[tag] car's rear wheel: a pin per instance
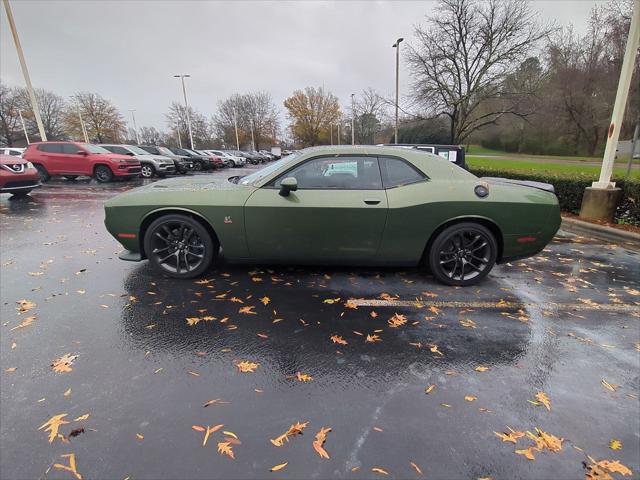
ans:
(179, 246)
(71, 177)
(463, 254)
(146, 170)
(44, 175)
(103, 174)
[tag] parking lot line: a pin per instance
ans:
(497, 305)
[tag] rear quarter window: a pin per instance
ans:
(397, 172)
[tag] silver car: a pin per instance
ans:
(229, 158)
(150, 164)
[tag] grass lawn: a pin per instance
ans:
(525, 166)
(480, 150)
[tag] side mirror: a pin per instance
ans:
(288, 184)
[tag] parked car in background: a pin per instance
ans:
(216, 159)
(17, 176)
(268, 154)
(72, 159)
(182, 163)
(13, 151)
(453, 153)
(276, 152)
(200, 162)
(231, 158)
(150, 165)
(252, 157)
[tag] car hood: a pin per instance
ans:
(11, 160)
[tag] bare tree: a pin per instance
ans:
(252, 111)
(103, 121)
(200, 128)
(52, 112)
(10, 103)
(462, 56)
(371, 109)
(151, 136)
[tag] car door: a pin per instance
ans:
(337, 214)
(51, 157)
(74, 161)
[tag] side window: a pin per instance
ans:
(70, 148)
(120, 150)
(15, 153)
(397, 172)
(50, 147)
(341, 173)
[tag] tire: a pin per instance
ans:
(147, 170)
(462, 254)
(44, 174)
(197, 166)
(103, 174)
(71, 177)
(167, 235)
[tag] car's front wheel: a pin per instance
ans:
(44, 174)
(103, 174)
(146, 170)
(179, 246)
(463, 254)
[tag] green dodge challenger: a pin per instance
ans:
(338, 205)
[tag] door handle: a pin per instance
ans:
(371, 201)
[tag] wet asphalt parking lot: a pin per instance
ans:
(413, 378)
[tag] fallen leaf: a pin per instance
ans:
(52, 425)
(303, 377)
(25, 323)
(511, 436)
(373, 338)
(82, 417)
(608, 385)
(397, 320)
(295, 429)
(416, 467)
(379, 470)
(338, 339)
(429, 389)
(63, 364)
(470, 398)
(543, 399)
(318, 443)
(24, 305)
(247, 367)
(208, 432)
(275, 468)
(67, 392)
(265, 300)
(139, 436)
(248, 309)
(224, 448)
(527, 452)
(71, 467)
(481, 368)
(615, 444)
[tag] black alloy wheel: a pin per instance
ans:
(103, 174)
(179, 246)
(463, 254)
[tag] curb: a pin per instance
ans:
(600, 231)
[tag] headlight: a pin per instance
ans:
(30, 165)
(121, 160)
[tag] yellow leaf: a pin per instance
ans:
(208, 432)
(265, 300)
(63, 364)
(379, 470)
(373, 338)
(67, 392)
(71, 467)
(608, 385)
(481, 368)
(318, 443)
(527, 452)
(295, 429)
(338, 339)
(429, 389)
(615, 444)
(10, 369)
(470, 398)
(24, 306)
(224, 448)
(139, 436)
(198, 428)
(230, 434)
(511, 436)
(81, 418)
(416, 467)
(397, 320)
(247, 367)
(303, 377)
(53, 424)
(248, 309)
(25, 323)
(543, 399)
(275, 468)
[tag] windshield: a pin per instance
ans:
(137, 150)
(165, 151)
(180, 151)
(94, 148)
(260, 174)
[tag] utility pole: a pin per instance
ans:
(186, 106)
(601, 199)
(397, 47)
(179, 137)
(135, 127)
(83, 127)
(353, 119)
(338, 134)
(331, 133)
(253, 142)
(24, 128)
(25, 71)
(235, 123)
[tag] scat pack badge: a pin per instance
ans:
(228, 219)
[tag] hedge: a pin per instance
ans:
(569, 189)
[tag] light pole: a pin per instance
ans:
(83, 127)
(397, 47)
(235, 124)
(186, 106)
(25, 71)
(599, 201)
(135, 127)
(253, 142)
(24, 128)
(338, 134)
(331, 133)
(353, 118)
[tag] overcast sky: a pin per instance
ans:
(128, 51)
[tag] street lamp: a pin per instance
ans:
(24, 128)
(353, 118)
(135, 127)
(186, 106)
(397, 47)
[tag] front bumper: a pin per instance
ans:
(165, 168)
(126, 171)
(17, 186)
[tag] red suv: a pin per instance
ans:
(72, 159)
